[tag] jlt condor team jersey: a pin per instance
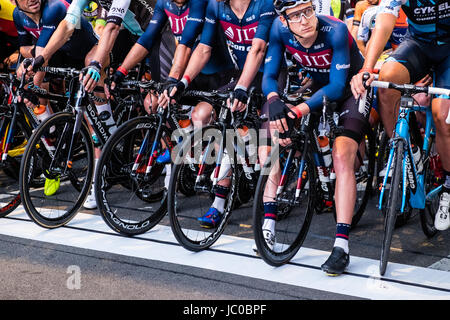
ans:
(428, 20)
(239, 33)
(331, 61)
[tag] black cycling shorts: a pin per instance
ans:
(420, 57)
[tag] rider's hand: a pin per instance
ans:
(278, 120)
(357, 85)
(176, 91)
(118, 77)
(240, 97)
(163, 99)
(91, 76)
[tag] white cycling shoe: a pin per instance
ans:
(442, 218)
(90, 202)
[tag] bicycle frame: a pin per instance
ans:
(418, 197)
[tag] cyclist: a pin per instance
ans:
(360, 8)
(368, 23)
(245, 26)
(8, 34)
(323, 46)
(36, 22)
(426, 46)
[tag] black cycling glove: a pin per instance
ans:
(241, 95)
(278, 111)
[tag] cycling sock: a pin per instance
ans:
(270, 216)
(342, 232)
(221, 196)
(270, 210)
(105, 115)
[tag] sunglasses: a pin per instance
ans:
(296, 16)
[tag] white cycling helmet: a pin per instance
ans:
(282, 5)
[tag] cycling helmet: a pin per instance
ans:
(282, 5)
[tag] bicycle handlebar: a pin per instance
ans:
(403, 88)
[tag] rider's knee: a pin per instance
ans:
(202, 114)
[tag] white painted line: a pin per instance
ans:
(235, 255)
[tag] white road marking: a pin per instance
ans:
(235, 255)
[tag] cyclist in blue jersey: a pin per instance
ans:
(36, 22)
(245, 26)
(426, 47)
(186, 19)
(133, 16)
(321, 45)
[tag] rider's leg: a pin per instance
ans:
(391, 71)
(441, 109)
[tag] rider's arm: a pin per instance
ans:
(145, 42)
(109, 35)
(259, 44)
(190, 33)
(384, 25)
(65, 28)
(274, 58)
(340, 66)
(202, 53)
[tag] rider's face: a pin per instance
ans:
(32, 6)
(179, 2)
(302, 20)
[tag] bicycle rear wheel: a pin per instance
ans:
(427, 215)
(191, 191)
(10, 196)
(297, 211)
(394, 203)
(132, 203)
(46, 157)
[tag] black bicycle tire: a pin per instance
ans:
(115, 223)
(278, 259)
(188, 244)
(27, 203)
(14, 203)
(428, 213)
(391, 213)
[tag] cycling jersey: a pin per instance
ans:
(53, 13)
(133, 15)
(6, 18)
(185, 22)
(331, 61)
(428, 20)
(368, 23)
(239, 33)
(360, 8)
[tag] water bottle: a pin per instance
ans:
(41, 113)
(324, 144)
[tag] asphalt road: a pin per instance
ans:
(35, 269)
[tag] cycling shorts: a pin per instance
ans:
(420, 57)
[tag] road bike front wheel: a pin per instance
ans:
(394, 203)
(191, 190)
(295, 205)
(131, 200)
(66, 182)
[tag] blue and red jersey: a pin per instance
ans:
(239, 33)
(186, 22)
(53, 13)
(331, 60)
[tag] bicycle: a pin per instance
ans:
(302, 185)
(131, 191)
(196, 172)
(17, 122)
(62, 148)
(408, 186)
